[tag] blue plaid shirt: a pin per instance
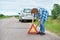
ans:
(42, 14)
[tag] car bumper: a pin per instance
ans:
(27, 18)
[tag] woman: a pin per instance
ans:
(42, 15)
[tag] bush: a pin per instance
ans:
(1, 15)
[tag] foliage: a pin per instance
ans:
(1, 15)
(17, 16)
(56, 11)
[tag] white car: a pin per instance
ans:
(25, 15)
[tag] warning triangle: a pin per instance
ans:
(32, 30)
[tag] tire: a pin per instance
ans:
(19, 20)
(22, 20)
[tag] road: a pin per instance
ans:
(12, 29)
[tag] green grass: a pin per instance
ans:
(17, 17)
(5, 17)
(52, 25)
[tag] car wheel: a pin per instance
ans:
(19, 20)
(22, 20)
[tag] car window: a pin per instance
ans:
(27, 10)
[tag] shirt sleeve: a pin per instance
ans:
(47, 14)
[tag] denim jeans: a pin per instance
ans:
(42, 28)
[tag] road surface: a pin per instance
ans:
(12, 29)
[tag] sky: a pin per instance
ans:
(13, 7)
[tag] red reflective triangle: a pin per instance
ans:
(32, 30)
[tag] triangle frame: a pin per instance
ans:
(32, 26)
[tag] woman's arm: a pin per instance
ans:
(33, 21)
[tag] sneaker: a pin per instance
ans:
(41, 33)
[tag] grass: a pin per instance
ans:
(52, 25)
(5, 17)
(17, 17)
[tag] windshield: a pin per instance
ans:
(27, 10)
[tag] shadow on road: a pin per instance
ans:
(28, 21)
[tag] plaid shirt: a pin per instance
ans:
(42, 14)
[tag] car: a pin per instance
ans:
(25, 15)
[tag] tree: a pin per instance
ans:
(56, 11)
(1, 15)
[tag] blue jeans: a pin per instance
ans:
(42, 28)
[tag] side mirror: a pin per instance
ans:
(18, 13)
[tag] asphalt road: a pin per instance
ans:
(12, 29)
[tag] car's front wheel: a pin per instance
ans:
(19, 20)
(22, 20)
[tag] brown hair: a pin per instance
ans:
(34, 10)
